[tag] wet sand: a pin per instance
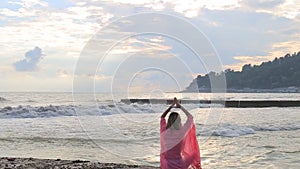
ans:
(34, 163)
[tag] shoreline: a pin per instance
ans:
(20, 163)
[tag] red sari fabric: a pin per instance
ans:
(179, 148)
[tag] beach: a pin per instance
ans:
(113, 134)
(20, 163)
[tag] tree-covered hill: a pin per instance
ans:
(283, 72)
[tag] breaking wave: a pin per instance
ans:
(79, 110)
(232, 130)
(2, 99)
(33, 112)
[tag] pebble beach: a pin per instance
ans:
(35, 163)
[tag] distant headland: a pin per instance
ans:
(282, 75)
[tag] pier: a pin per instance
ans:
(226, 103)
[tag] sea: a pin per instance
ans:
(100, 127)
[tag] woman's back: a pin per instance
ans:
(173, 138)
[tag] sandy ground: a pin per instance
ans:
(30, 163)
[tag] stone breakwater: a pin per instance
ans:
(226, 103)
(34, 163)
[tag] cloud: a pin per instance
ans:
(277, 50)
(27, 8)
(187, 8)
(30, 62)
(262, 3)
(58, 30)
(153, 46)
(283, 8)
(62, 73)
(30, 3)
(246, 33)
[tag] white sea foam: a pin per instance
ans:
(33, 112)
(288, 127)
(2, 99)
(233, 130)
(79, 110)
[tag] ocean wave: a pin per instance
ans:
(31, 101)
(231, 130)
(34, 112)
(226, 130)
(78, 110)
(2, 99)
(289, 127)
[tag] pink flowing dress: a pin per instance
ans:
(179, 148)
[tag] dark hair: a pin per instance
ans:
(174, 121)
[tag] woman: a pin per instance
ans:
(179, 146)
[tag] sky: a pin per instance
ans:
(52, 45)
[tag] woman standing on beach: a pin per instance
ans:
(179, 146)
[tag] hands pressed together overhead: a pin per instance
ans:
(175, 104)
